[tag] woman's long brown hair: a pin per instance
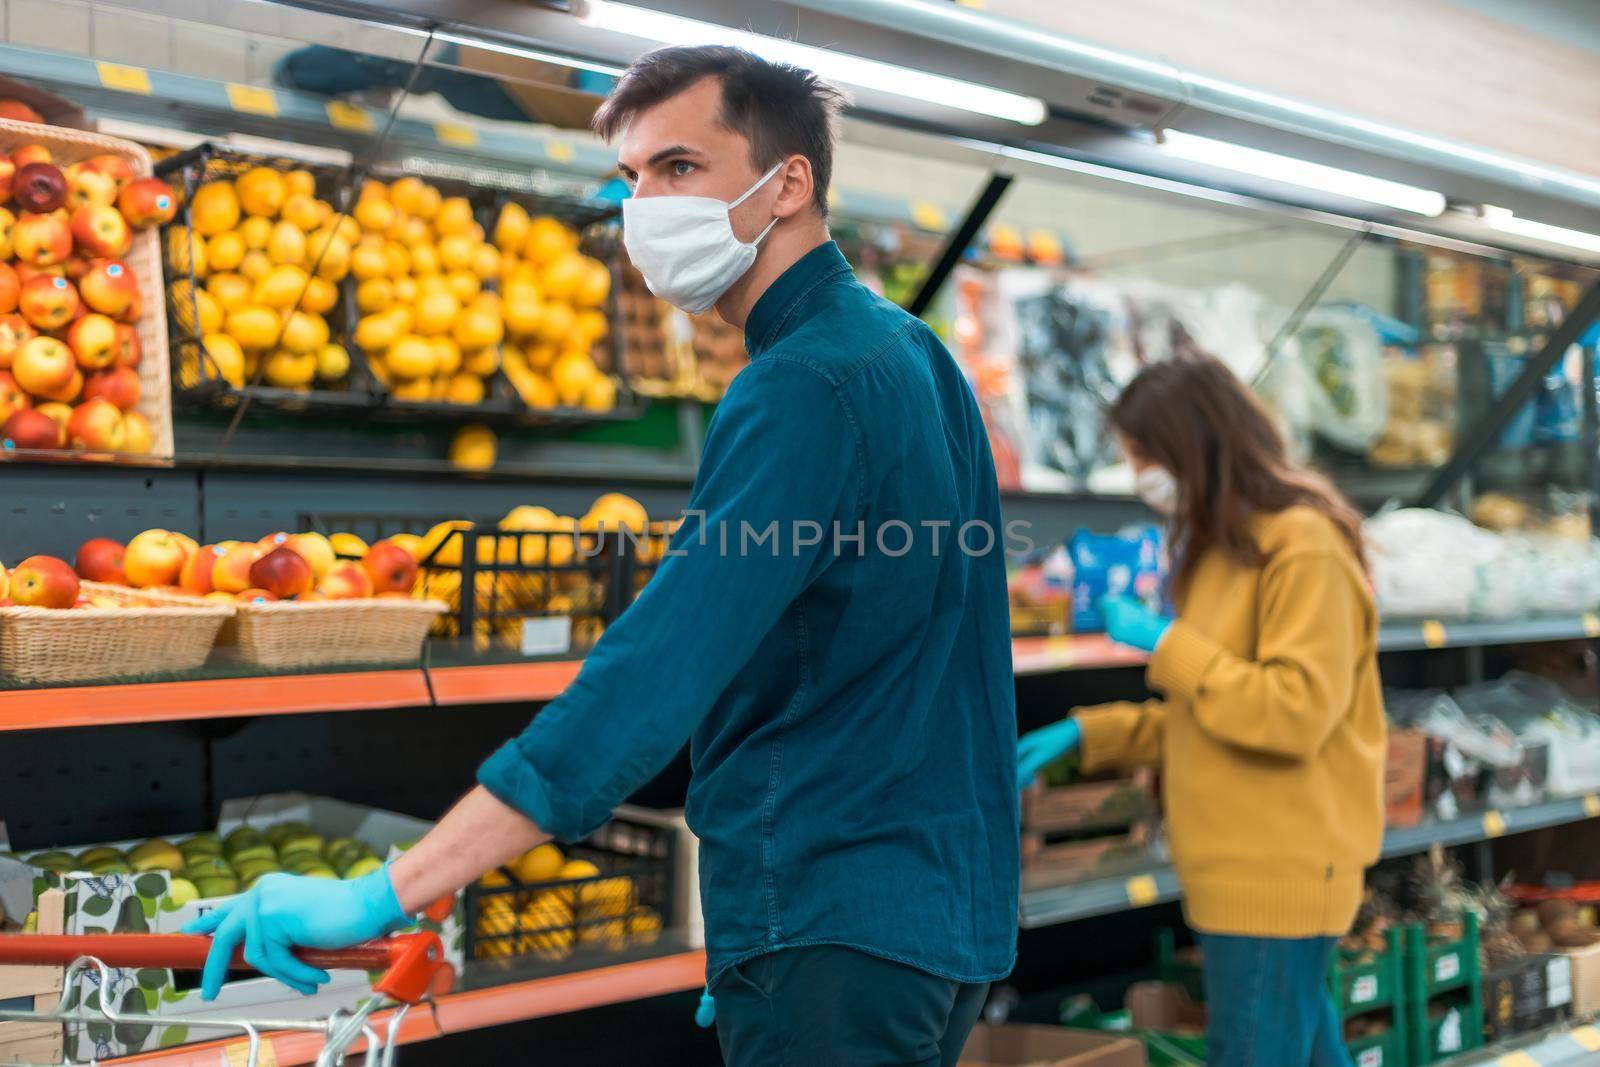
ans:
(1192, 416)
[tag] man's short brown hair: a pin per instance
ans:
(780, 109)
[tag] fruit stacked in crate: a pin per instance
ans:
(1075, 828)
(70, 299)
(605, 895)
(672, 354)
(254, 266)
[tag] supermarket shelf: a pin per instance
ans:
(1045, 655)
(456, 1013)
(1159, 885)
(1569, 1045)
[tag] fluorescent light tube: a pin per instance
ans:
(1303, 173)
(1499, 218)
(833, 66)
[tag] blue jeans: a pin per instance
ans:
(1268, 1003)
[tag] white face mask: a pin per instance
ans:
(1158, 488)
(685, 246)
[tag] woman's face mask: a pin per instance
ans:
(1157, 488)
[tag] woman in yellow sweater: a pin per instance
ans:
(1269, 728)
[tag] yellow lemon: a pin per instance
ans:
(601, 395)
(348, 228)
(300, 183)
(374, 333)
(486, 262)
(428, 201)
(523, 314)
(541, 357)
(226, 250)
(287, 244)
(454, 215)
(400, 227)
(440, 547)
(186, 251)
(291, 370)
(255, 231)
(255, 265)
(347, 545)
(564, 275)
(410, 357)
(253, 326)
(543, 863)
(367, 260)
(455, 251)
(425, 259)
(477, 327)
(591, 326)
(547, 240)
(225, 356)
(594, 285)
(406, 290)
(446, 355)
(333, 362)
(281, 287)
(262, 191)
(511, 228)
(410, 542)
(482, 362)
(402, 315)
(407, 192)
(411, 232)
(413, 389)
(321, 296)
(374, 294)
(397, 259)
(464, 389)
(436, 310)
(301, 210)
(214, 208)
(374, 189)
(304, 332)
(464, 284)
(473, 448)
(571, 376)
(329, 253)
(231, 290)
(210, 311)
(374, 213)
(556, 322)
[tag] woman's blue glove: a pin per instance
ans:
(1129, 622)
(1039, 748)
(282, 911)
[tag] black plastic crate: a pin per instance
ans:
(621, 909)
(202, 385)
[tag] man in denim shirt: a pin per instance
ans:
(831, 627)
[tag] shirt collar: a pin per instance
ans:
(769, 320)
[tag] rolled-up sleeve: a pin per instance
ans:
(781, 467)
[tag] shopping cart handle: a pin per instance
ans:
(409, 961)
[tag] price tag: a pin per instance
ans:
(345, 116)
(1372, 1057)
(927, 216)
(126, 79)
(547, 637)
(1364, 990)
(455, 136)
(1494, 824)
(253, 100)
(1516, 1059)
(560, 151)
(1591, 806)
(1142, 891)
(1450, 1036)
(238, 1053)
(1433, 635)
(1591, 624)
(1558, 982)
(1588, 1037)
(1446, 967)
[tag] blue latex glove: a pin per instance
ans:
(705, 1013)
(1129, 622)
(284, 910)
(1039, 748)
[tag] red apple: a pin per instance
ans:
(345, 580)
(283, 573)
(86, 185)
(100, 230)
(96, 425)
(39, 187)
(120, 385)
(129, 350)
(18, 111)
(94, 342)
(154, 557)
(100, 560)
(195, 575)
(44, 582)
(48, 302)
(139, 436)
(30, 428)
(44, 367)
(147, 202)
(61, 414)
(231, 574)
(10, 289)
(391, 567)
(117, 168)
(27, 271)
(41, 240)
(14, 331)
(33, 153)
(110, 288)
(13, 398)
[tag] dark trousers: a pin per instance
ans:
(1268, 1003)
(830, 1006)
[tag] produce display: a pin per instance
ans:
(673, 354)
(69, 352)
(545, 904)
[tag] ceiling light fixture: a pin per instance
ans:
(1502, 219)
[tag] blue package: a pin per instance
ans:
(1128, 562)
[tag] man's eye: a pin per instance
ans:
(682, 168)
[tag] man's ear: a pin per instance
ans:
(794, 194)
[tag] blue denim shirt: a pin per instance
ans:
(845, 674)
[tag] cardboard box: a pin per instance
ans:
(1110, 804)
(33, 1042)
(1016, 1045)
(1585, 979)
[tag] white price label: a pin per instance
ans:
(1446, 967)
(1558, 982)
(1372, 1057)
(1364, 990)
(547, 637)
(1450, 1032)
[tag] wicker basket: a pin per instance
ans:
(81, 644)
(325, 632)
(143, 259)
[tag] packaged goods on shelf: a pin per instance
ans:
(1040, 593)
(1420, 431)
(1339, 353)
(673, 354)
(1539, 712)
(1131, 562)
(1467, 761)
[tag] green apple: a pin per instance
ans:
(241, 837)
(301, 842)
(60, 862)
(249, 870)
(207, 844)
(183, 892)
(262, 851)
(156, 855)
(285, 831)
(321, 870)
(91, 857)
(364, 865)
(215, 886)
(112, 866)
(207, 865)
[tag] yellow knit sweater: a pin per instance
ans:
(1271, 737)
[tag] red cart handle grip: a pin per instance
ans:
(409, 961)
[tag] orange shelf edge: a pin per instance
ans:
(1043, 655)
(494, 683)
(473, 1009)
